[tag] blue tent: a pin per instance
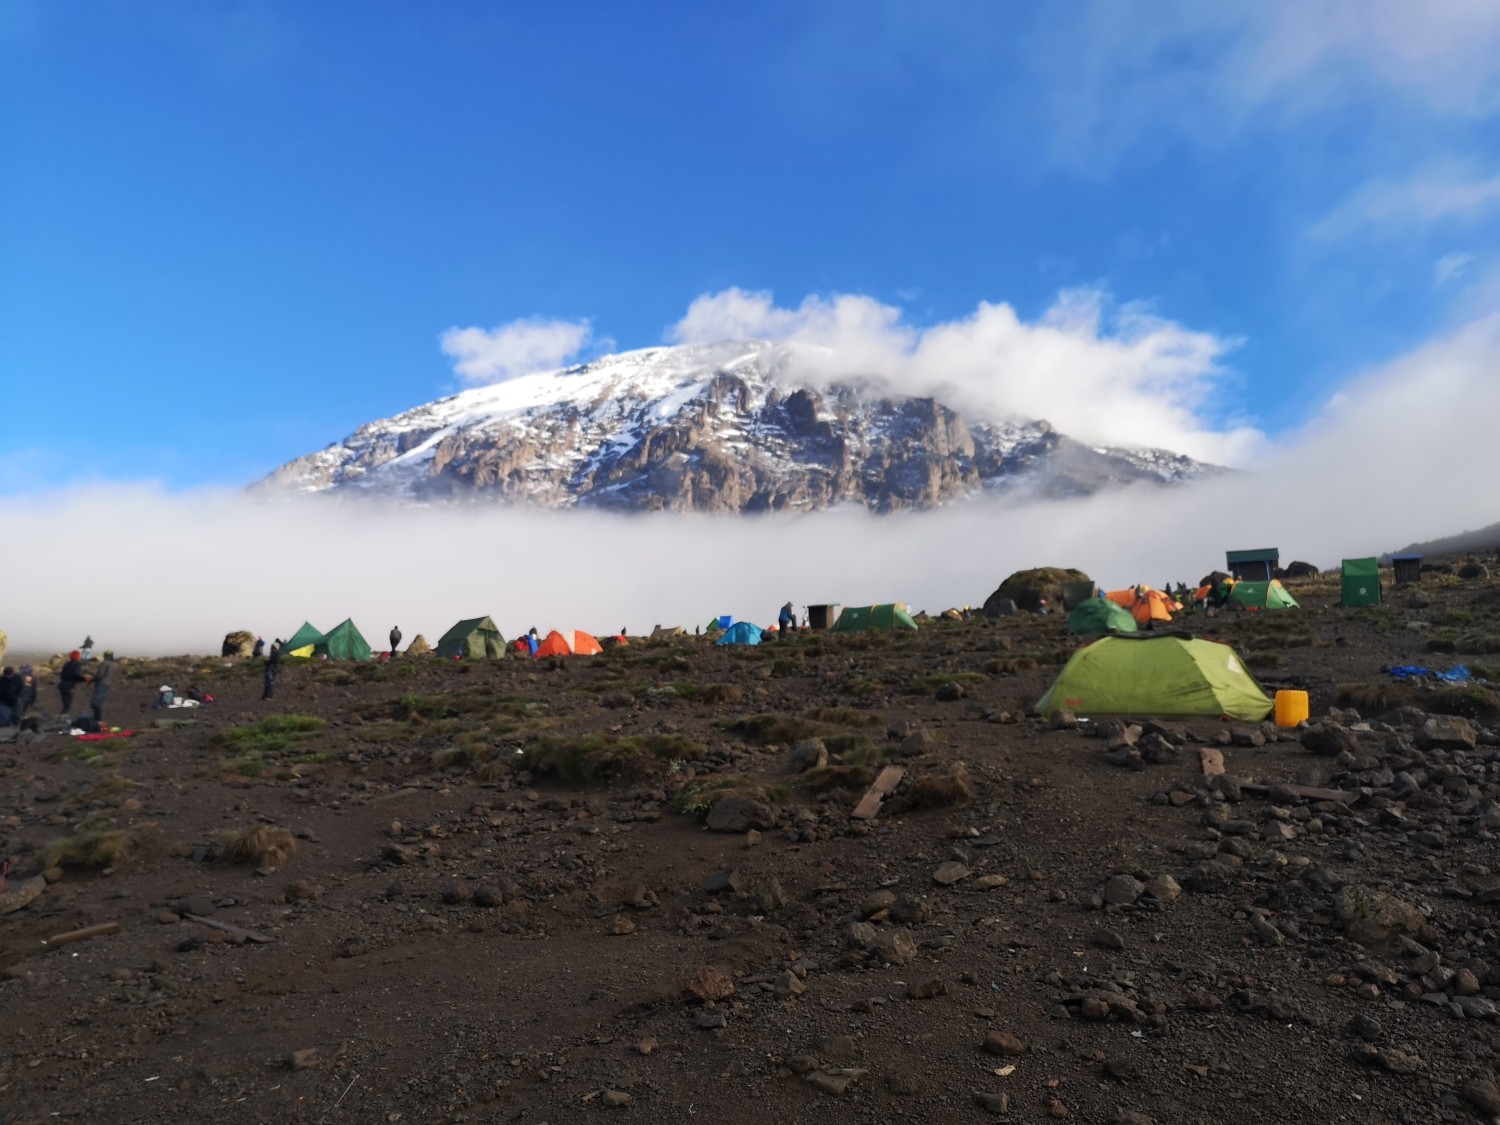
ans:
(740, 633)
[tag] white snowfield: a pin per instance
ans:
(596, 433)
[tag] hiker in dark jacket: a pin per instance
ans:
(28, 692)
(273, 665)
(103, 681)
(68, 679)
(785, 622)
(395, 639)
(10, 697)
(259, 650)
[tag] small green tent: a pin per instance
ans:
(1161, 674)
(863, 618)
(477, 638)
(1262, 595)
(302, 642)
(1361, 584)
(343, 642)
(1100, 615)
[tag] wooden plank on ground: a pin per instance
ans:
(101, 930)
(885, 785)
(1213, 761)
(1305, 792)
(237, 931)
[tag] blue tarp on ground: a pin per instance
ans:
(1455, 675)
(741, 633)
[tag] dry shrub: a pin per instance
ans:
(708, 983)
(261, 846)
(820, 779)
(1469, 700)
(721, 693)
(844, 716)
(90, 848)
(1373, 699)
(937, 790)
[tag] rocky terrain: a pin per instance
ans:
(630, 887)
(729, 428)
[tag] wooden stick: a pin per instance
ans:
(100, 930)
(885, 785)
(237, 931)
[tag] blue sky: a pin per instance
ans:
(234, 231)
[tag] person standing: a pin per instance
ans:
(273, 665)
(68, 679)
(27, 698)
(103, 681)
(395, 639)
(10, 698)
(87, 651)
(786, 622)
(260, 648)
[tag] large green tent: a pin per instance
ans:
(1162, 674)
(478, 638)
(863, 618)
(1100, 615)
(1361, 584)
(302, 642)
(343, 642)
(1262, 595)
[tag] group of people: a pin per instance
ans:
(18, 686)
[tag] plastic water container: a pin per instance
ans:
(1291, 708)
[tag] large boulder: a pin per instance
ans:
(239, 643)
(418, 646)
(1375, 919)
(1301, 570)
(740, 814)
(1447, 732)
(1027, 588)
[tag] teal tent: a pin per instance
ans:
(1100, 615)
(302, 642)
(741, 633)
(343, 642)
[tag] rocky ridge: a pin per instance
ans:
(727, 428)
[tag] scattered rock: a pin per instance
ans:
(1123, 890)
(1003, 1043)
(1164, 888)
(622, 925)
(949, 873)
(615, 1098)
(925, 988)
(895, 946)
(740, 814)
(301, 1060)
(995, 1103)
(1375, 919)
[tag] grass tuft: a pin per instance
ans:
(261, 845)
(92, 847)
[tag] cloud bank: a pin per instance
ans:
(1403, 454)
(518, 348)
(1101, 373)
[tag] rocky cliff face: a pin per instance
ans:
(707, 429)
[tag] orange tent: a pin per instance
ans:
(1146, 606)
(575, 643)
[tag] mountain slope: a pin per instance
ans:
(707, 428)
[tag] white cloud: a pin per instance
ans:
(1100, 373)
(1450, 267)
(518, 348)
(1349, 484)
(1412, 204)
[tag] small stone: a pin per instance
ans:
(838, 1048)
(1121, 1069)
(1122, 890)
(710, 1018)
(1094, 1010)
(622, 925)
(1465, 983)
(802, 1064)
(950, 873)
(168, 918)
(647, 1045)
(1106, 939)
(721, 881)
(995, 1103)
(301, 1060)
(615, 1098)
(876, 902)
(895, 947)
(1483, 1095)
(926, 988)
(489, 897)
(1366, 1027)
(902, 1083)
(787, 985)
(1164, 888)
(189, 944)
(457, 892)
(1055, 1108)
(988, 883)
(833, 1084)
(1003, 1043)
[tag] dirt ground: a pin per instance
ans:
(496, 897)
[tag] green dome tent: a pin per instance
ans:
(1100, 615)
(477, 638)
(1262, 595)
(303, 641)
(343, 642)
(863, 618)
(1163, 674)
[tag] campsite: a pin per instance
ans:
(886, 871)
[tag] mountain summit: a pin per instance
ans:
(716, 428)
